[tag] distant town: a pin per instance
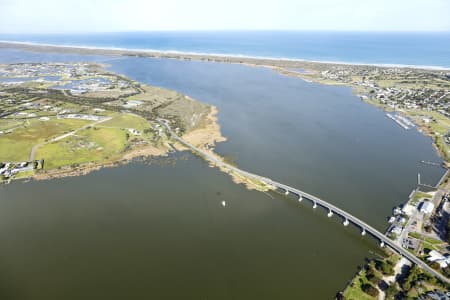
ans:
(411, 98)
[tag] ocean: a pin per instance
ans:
(426, 49)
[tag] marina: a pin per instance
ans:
(400, 120)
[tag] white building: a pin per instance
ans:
(134, 131)
(408, 209)
(397, 230)
(426, 207)
(442, 260)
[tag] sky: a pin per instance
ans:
(80, 16)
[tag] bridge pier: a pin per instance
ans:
(300, 198)
(330, 214)
(345, 222)
(363, 232)
(286, 193)
(343, 214)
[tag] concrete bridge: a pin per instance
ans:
(316, 201)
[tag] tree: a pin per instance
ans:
(415, 275)
(369, 289)
(448, 232)
(373, 278)
(384, 267)
(391, 291)
(447, 271)
(406, 285)
(435, 265)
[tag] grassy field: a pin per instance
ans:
(441, 124)
(428, 242)
(16, 146)
(170, 104)
(426, 239)
(127, 121)
(90, 145)
(354, 291)
(418, 196)
(102, 143)
(6, 124)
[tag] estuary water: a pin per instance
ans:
(159, 231)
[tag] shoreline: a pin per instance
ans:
(149, 152)
(206, 137)
(217, 57)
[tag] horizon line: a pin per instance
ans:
(226, 30)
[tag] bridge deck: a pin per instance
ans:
(347, 216)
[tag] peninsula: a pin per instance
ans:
(59, 119)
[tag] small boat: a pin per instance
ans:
(224, 203)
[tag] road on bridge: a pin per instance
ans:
(317, 201)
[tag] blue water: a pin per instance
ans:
(76, 83)
(26, 79)
(422, 49)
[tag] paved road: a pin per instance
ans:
(317, 201)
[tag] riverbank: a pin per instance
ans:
(420, 95)
(84, 169)
(205, 137)
(391, 277)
